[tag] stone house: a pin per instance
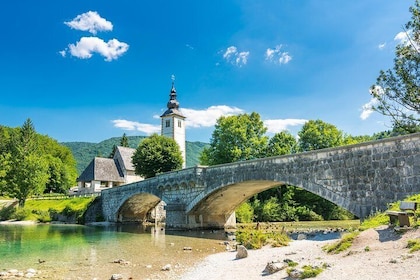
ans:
(103, 173)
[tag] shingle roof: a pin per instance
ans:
(101, 169)
(126, 155)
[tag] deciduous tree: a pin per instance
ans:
(317, 134)
(28, 173)
(282, 143)
(235, 138)
(397, 91)
(157, 154)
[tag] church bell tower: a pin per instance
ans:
(173, 122)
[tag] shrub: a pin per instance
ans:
(255, 238)
(21, 214)
(244, 213)
(6, 213)
(251, 238)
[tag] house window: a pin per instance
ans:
(179, 123)
(168, 123)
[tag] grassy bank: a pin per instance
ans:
(65, 209)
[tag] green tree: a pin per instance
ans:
(236, 138)
(28, 173)
(244, 213)
(316, 134)
(4, 157)
(124, 141)
(349, 139)
(282, 143)
(398, 90)
(62, 171)
(156, 154)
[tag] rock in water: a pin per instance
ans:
(242, 252)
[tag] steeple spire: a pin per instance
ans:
(173, 104)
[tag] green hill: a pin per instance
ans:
(84, 152)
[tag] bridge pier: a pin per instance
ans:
(178, 218)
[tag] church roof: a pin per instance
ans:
(126, 155)
(173, 104)
(101, 169)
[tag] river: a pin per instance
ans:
(88, 252)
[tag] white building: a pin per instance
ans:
(173, 123)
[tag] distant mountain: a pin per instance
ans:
(84, 152)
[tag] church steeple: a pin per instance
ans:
(172, 122)
(173, 104)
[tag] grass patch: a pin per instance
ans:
(341, 245)
(253, 238)
(311, 271)
(413, 245)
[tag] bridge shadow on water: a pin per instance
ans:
(138, 228)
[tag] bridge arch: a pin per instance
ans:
(137, 208)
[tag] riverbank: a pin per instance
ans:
(379, 253)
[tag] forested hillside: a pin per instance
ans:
(84, 152)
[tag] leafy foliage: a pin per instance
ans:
(282, 143)
(32, 163)
(157, 154)
(397, 91)
(236, 138)
(253, 238)
(245, 213)
(28, 169)
(317, 134)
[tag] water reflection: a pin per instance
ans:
(89, 251)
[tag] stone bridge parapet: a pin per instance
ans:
(361, 178)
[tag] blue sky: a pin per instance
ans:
(89, 70)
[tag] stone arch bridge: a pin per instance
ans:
(361, 178)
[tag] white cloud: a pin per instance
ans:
(277, 56)
(275, 126)
(209, 116)
(90, 21)
(130, 125)
(382, 46)
(232, 55)
(63, 53)
(87, 46)
(367, 109)
(402, 37)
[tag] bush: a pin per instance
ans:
(7, 213)
(251, 238)
(21, 214)
(255, 238)
(244, 213)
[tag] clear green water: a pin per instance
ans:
(83, 252)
